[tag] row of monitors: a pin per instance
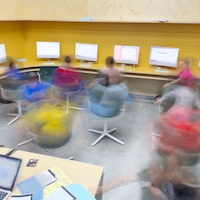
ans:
(162, 56)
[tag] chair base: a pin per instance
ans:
(18, 115)
(105, 133)
(15, 119)
(76, 108)
(71, 107)
(25, 142)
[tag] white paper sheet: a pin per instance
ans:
(61, 194)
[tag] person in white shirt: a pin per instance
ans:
(184, 96)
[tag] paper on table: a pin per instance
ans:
(36, 183)
(21, 197)
(80, 192)
(61, 194)
(62, 180)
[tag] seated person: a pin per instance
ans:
(114, 76)
(184, 96)
(34, 90)
(185, 78)
(13, 77)
(161, 181)
(179, 128)
(67, 76)
(106, 99)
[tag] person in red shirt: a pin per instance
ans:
(180, 131)
(67, 76)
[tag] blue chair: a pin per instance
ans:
(107, 103)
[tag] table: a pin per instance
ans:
(133, 72)
(86, 174)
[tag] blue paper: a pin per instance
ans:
(38, 195)
(80, 192)
(29, 186)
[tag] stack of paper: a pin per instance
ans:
(44, 184)
(62, 180)
(54, 185)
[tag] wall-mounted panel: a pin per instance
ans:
(106, 35)
(12, 34)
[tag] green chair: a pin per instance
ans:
(45, 73)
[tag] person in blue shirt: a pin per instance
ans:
(13, 72)
(34, 90)
(13, 77)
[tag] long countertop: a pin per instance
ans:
(129, 72)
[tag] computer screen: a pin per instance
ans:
(164, 56)
(126, 54)
(48, 49)
(85, 51)
(9, 168)
(3, 57)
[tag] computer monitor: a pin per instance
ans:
(86, 52)
(9, 168)
(3, 57)
(164, 56)
(126, 54)
(48, 50)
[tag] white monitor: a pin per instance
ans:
(48, 49)
(164, 56)
(85, 51)
(3, 57)
(126, 54)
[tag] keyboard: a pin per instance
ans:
(3, 195)
(84, 65)
(49, 63)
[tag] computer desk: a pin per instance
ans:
(129, 72)
(86, 174)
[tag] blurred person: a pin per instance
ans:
(13, 77)
(183, 96)
(114, 76)
(49, 124)
(179, 129)
(68, 79)
(185, 78)
(67, 76)
(161, 181)
(34, 90)
(105, 98)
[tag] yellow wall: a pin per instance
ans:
(20, 38)
(108, 10)
(106, 35)
(12, 34)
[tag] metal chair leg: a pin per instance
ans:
(105, 133)
(18, 115)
